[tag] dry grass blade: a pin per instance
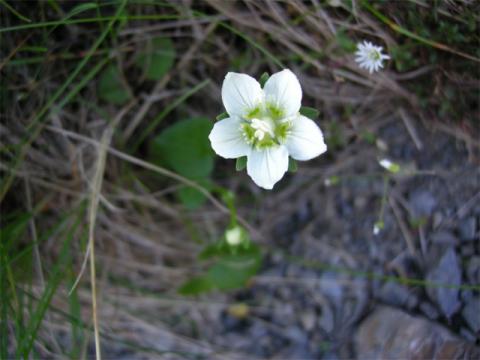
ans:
(92, 216)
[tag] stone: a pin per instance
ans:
(471, 313)
(389, 333)
(423, 203)
(308, 320)
(446, 277)
(467, 228)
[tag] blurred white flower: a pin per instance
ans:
(234, 236)
(389, 165)
(369, 56)
(265, 126)
(377, 227)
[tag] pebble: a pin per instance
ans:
(473, 270)
(471, 314)
(467, 250)
(444, 237)
(392, 293)
(422, 203)
(389, 333)
(467, 228)
(429, 310)
(308, 320)
(327, 321)
(447, 272)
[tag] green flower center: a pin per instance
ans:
(265, 127)
(374, 55)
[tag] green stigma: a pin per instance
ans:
(265, 127)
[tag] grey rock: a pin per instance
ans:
(447, 278)
(444, 237)
(423, 203)
(390, 333)
(327, 320)
(429, 310)
(308, 320)
(473, 270)
(437, 219)
(471, 313)
(468, 249)
(467, 228)
(392, 293)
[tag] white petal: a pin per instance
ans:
(283, 90)
(240, 94)
(227, 139)
(305, 140)
(267, 166)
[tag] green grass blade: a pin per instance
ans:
(4, 305)
(36, 122)
(414, 36)
(91, 20)
(248, 39)
(14, 12)
(58, 273)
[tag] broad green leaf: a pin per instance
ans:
(345, 42)
(111, 87)
(292, 165)
(263, 79)
(234, 271)
(191, 198)
(222, 116)
(184, 147)
(196, 286)
(309, 112)
(157, 58)
(241, 163)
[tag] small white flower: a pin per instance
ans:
(369, 56)
(389, 165)
(377, 227)
(385, 163)
(265, 126)
(234, 236)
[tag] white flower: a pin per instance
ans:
(234, 236)
(369, 56)
(265, 126)
(377, 227)
(389, 165)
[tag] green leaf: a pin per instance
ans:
(345, 42)
(157, 58)
(191, 198)
(184, 147)
(309, 112)
(232, 272)
(110, 86)
(222, 116)
(241, 163)
(196, 286)
(263, 79)
(369, 137)
(292, 165)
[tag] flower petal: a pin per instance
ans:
(240, 94)
(227, 139)
(305, 140)
(267, 166)
(283, 90)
